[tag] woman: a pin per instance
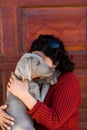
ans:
(59, 111)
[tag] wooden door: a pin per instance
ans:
(21, 21)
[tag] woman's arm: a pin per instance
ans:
(64, 104)
(5, 119)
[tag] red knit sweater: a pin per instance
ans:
(60, 108)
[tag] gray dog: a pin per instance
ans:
(29, 66)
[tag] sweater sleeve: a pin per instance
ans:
(65, 102)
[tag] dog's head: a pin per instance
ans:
(31, 65)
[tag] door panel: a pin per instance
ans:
(22, 21)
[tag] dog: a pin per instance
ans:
(28, 67)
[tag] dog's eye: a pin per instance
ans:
(38, 62)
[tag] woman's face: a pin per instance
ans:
(45, 58)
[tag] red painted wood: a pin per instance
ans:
(21, 21)
(44, 3)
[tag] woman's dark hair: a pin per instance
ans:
(54, 48)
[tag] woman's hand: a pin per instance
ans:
(17, 87)
(20, 89)
(5, 120)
